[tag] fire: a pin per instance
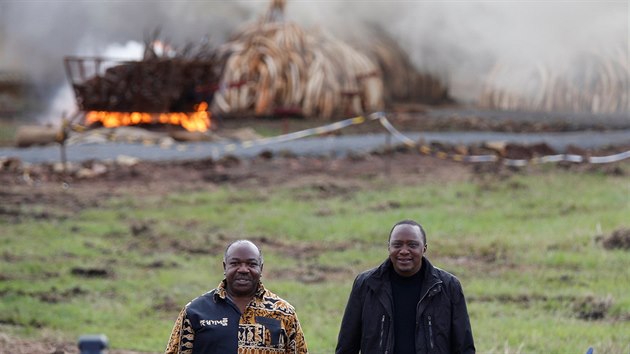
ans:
(198, 121)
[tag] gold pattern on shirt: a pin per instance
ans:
(253, 337)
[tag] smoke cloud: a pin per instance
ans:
(459, 40)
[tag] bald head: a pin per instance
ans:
(242, 243)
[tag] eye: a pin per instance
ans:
(414, 245)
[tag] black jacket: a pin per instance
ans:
(442, 323)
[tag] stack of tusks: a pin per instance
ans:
(274, 65)
(595, 82)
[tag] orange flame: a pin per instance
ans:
(198, 121)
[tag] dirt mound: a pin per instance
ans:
(592, 308)
(619, 239)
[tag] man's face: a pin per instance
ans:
(406, 249)
(242, 269)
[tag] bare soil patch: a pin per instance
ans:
(63, 193)
(619, 239)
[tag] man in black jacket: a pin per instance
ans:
(406, 305)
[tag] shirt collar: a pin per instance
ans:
(222, 290)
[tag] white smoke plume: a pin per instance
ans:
(459, 40)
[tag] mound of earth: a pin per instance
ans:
(619, 239)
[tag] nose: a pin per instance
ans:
(242, 268)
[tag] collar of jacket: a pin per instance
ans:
(222, 290)
(379, 282)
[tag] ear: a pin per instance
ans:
(224, 267)
(425, 247)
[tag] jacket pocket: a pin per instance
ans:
(273, 326)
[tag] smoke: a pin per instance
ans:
(461, 41)
(35, 36)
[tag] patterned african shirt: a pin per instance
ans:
(212, 323)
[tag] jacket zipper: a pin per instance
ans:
(429, 317)
(380, 343)
(430, 332)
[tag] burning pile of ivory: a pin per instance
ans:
(165, 80)
(595, 83)
(270, 67)
(273, 66)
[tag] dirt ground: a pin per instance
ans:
(85, 184)
(93, 182)
(23, 183)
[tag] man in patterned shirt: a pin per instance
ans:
(240, 315)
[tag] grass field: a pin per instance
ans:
(526, 248)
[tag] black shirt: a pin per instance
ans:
(406, 293)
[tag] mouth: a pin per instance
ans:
(404, 261)
(242, 281)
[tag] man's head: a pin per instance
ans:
(243, 264)
(407, 245)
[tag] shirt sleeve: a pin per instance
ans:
(182, 336)
(297, 343)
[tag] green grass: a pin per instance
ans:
(524, 248)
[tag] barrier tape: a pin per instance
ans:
(303, 133)
(427, 150)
